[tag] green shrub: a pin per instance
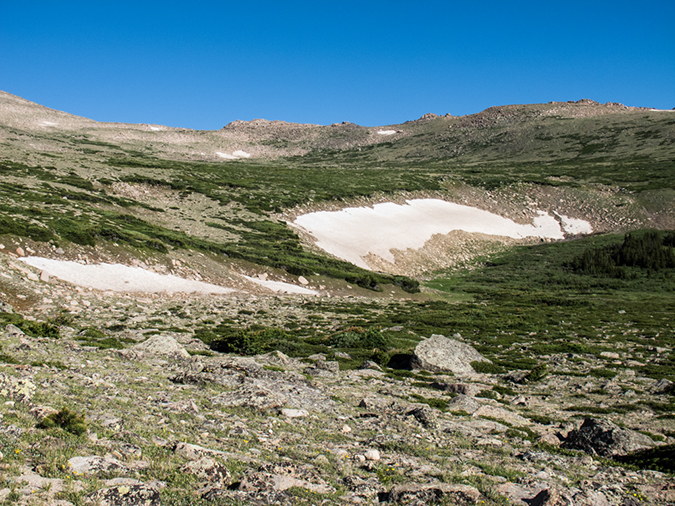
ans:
(357, 337)
(67, 420)
(250, 342)
(536, 374)
(486, 367)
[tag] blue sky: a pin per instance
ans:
(204, 64)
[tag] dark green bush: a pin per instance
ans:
(357, 337)
(67, 420)
(250, 342)
(486, 367)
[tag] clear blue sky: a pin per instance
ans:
(202, 64)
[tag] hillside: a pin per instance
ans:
(243, 316)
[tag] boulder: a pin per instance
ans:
(207, 469)
(162, 345)
(606, 439)
(450, 493)
(438, 354)
(16, 389)
(129, 495)
(424, 415)
(252, 396)
(95, 464)
(464, 403)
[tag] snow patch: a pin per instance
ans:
(120, 278)
(386, 132)
(48, 123)
(281, 287)
(241, 154)
(155, 129)
(574, 226)
(227, 156)
(353, 233)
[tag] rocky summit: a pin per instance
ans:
(170, 334)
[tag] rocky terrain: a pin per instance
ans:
(475, 370)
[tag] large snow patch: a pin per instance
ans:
(120, 278)
(353, 233)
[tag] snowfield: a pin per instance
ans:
(120, 278)
(353, 233)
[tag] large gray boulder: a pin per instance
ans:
(438, 354)
(162, 345)
(606, 439)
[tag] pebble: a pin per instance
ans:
(372, 455)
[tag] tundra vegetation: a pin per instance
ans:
(318, 390)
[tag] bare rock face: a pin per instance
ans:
(438, 353)
(606, 439)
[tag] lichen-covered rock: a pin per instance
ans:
(95, 464)
(162, 345)
(450, 493)
(252, 396)
(207, 469)
(438, 353)
(127, 495)
(16, 389)
(606, 439)
(424, 415)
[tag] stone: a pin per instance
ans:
(373, 455)
(458, 388)
(16, 389)
(194, 452)
(303, 280)
(550, 497)
(464, 403)
(663, 386)
(128, 495)
(294, 413)
(42, 412)
(207, 469)
(501, 414)
(457, 494)
(95, 464)
(604, 438)
(44, 276)
(13, 331)
(369, 364)
(20, 252)
(438, 354)
(252, 396)
(424, 415)
(162, 345)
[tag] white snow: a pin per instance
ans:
(353, 233)
(234, 156)
(281, 287)
(120, 278)
(574, 226)
(155, 129)
(227, 156)
(663, 110)
(386, 132)
(48, 123)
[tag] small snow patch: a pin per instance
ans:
(48, 123)
(575, 226)
(120, 278)
(227, 156)
(241, 154)
(281, 287)
(386, 132)
(155, 129)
